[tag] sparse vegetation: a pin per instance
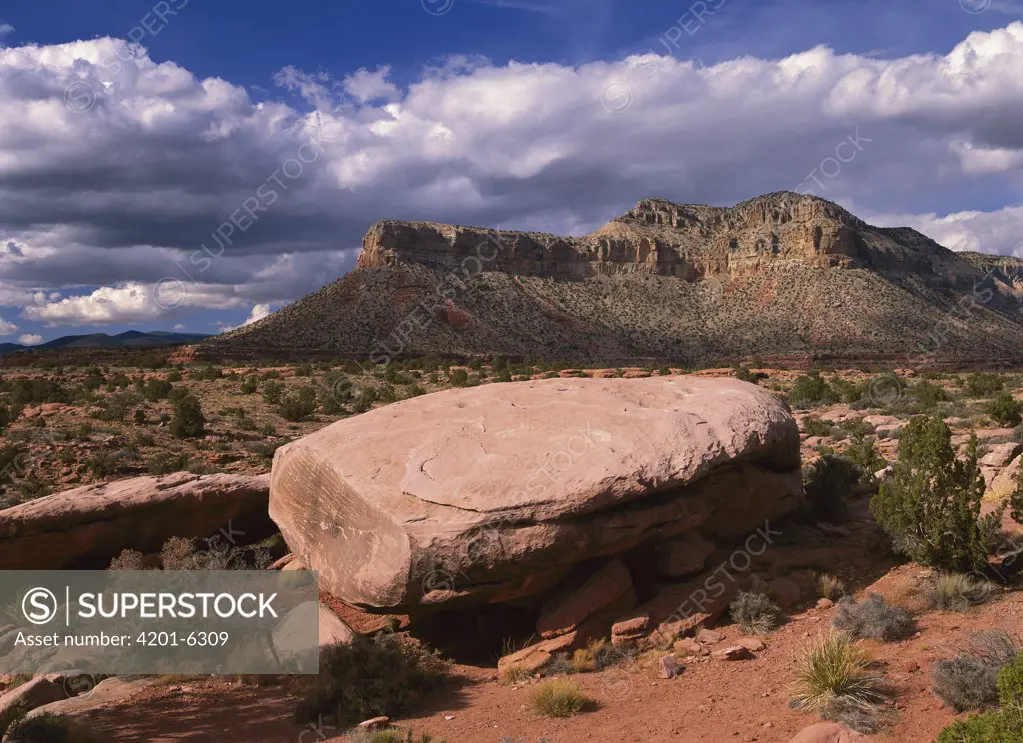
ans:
(969, 681)
(755, 613)
(1005, 409)
(828, 487)
(299, 405)
(833, 672)
(47, 728)
(387, 674)
(188, 420)
(983, 384)
(957, 592)
(514, 674)
(829, 587)
(1004, 725)
(812, 390)
(872, 618)
(559, 697)
(930, 507)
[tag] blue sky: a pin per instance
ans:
(128, 201)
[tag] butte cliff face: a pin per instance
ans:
(783, 275)
(689, 242)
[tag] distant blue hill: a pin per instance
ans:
(128, 339)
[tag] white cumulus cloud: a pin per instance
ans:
(131, 190)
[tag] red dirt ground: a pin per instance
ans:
(711, 702)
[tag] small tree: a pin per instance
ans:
(931, 505)
(272, 392)
(828, 487)
(188, 420)
(1005, 409)
(1016, 499)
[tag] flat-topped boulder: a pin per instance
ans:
(90, 524)
(494, 493)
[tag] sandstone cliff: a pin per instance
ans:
(782, 275)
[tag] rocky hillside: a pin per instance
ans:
(781, 275)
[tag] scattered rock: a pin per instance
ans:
(709, 637)
(1004, 482)
(1001, 455)
(687, 647)
(32, 694)
(630, 629)
(607, 591)
(374, 722)
(288, 636)
(106, 691)
(825, 603)
(670, 667)
(735, 652)
(753, 644)
(93, 523)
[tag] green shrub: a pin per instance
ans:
(384, 675)
(1016, 498)
(102, 463)
(208, 373)
(872, 618)
(828, 487)
(165, 462)
(983, 384)
(559, 698)
(35, 390)
(298, 405)
(811, 390)
(272, 392)
(929, 394)
(755, 613)
(1010, 683)
(47, 728)
(969, 681)
(188, 420)
(930, 507)
(833, 670)
(249, 385)
(459, 378)
(862, 453)
(116, 406)
(816, 427)
(1000, 726)
(1005, 409)
(156, 389)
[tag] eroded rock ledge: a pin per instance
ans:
(495, 493)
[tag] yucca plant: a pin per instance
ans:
(835, 670)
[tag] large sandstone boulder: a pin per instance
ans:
(494, 493)
(90, 524)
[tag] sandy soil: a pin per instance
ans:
(711, 702)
